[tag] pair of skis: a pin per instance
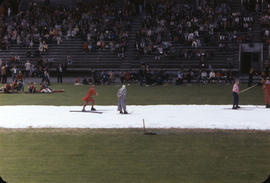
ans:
(97, 112)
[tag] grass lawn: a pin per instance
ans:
(187, 94)
(102, 156)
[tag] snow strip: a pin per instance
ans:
(155, 116)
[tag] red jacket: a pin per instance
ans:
(88, 96)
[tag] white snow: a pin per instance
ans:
(155, 116)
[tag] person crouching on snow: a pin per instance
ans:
(88, 98)
(235, 91)
(266, 89)
(121, 94)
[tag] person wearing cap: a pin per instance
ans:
(266, 89)
(235, 91)
(121, 94)
(88, 98)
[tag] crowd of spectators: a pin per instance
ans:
(168, 23)
(102, 25)
(105, 26)
(265, 22)
(147, 76)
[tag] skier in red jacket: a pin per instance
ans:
(266, 89)
(88, 98)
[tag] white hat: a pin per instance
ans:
(123, 86)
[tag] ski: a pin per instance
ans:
(98, 112)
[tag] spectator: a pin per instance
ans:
(212, 76)
(218, 76)
(111, 77)
(85, 47)
(46, 77)
(59, 39)
(4, 74)
(69, 60)
(59, 71)
(32, 87)
(20, 82)
(27, 66)
(180, 77)
(14, 72)
(203, 77)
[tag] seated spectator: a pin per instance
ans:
(84, 82)
(105, 77)
(127, 76)
(59, 39)
(17, 58)
(218, 76)
(111, 77)
(8, 88)
(122, 77)
(77, 82)
(89, 47)
(203, 78)
(180, 77)
(45, 46)
(41, 47)
(32, 87)
(85, 47)
(190, 75)
(69, 60)
(212, 77)
(44, 87)
(19, 81)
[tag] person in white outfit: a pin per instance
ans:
(121, 94)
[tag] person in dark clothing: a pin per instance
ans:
(46, 77)
(97, 77)
(250, 76)
(59, 71)
(4, 74)
(122, 77)
(266, 71)
(141, 75)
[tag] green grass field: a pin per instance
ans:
(101, 156)
(188, 94)
(126, 155)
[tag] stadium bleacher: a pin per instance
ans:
(220, 48)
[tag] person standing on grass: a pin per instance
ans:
(250, 76)
(46, 77)
(27, 66)
(4, 73)
(14, 72)
(121, 94)
(88, 98)
(266, 89)
(59, 71)
(235, 91)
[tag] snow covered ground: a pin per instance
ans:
(155, 116)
